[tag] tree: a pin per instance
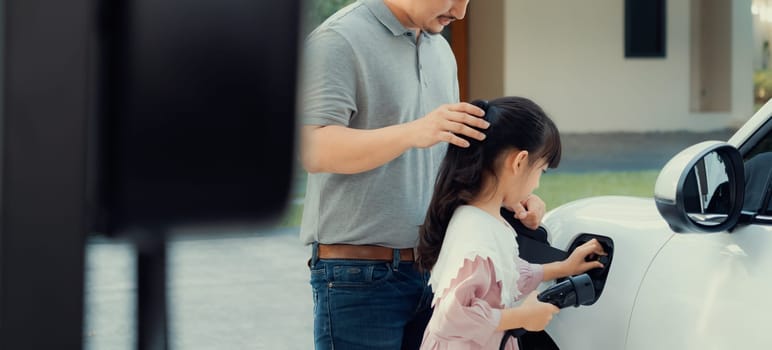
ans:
(318, 10)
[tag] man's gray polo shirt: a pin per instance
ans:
(364, 70)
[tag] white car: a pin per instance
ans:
(691, 268)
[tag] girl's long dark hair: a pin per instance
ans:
(516, 123)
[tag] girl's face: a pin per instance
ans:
(523, 177)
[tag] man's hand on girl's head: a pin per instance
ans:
(448, 123)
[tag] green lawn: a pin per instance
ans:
(557, 189)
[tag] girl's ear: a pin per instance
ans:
(517, 161)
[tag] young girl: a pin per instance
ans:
(476, 274)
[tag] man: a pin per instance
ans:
(379, 105)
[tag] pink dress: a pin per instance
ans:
(467, 310)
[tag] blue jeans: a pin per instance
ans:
(367, 304)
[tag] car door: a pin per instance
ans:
(707, 291)
(711, 290)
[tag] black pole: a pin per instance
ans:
(151, 292)
(44, 109)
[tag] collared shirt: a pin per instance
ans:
(364, 70)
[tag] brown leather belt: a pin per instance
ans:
(362, 252)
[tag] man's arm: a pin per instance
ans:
(343, 150)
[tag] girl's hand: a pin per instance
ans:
(530, 211)
(536, 314)
(584, 258)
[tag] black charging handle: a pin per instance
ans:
(573, 291)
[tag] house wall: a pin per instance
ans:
(762, 31)
(568, 56)
(486, 49)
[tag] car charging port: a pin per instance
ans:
(599, 275)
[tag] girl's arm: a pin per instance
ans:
(555, 270)
(580, 260)
(532, 315)
(462, 312)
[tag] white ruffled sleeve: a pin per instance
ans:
(464, 312)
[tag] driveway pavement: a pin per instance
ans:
(230, 291)
(250, 290)
(628, 151)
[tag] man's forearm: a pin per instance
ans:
(342, 150)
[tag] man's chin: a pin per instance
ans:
(434, 30)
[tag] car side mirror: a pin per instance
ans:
(701, 189)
